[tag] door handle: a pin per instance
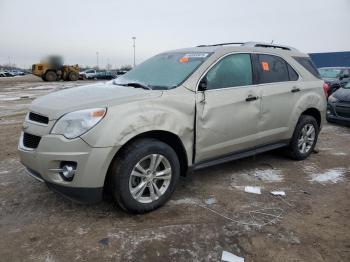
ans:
(295, 89)
(251, 98)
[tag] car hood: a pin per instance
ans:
(56, 104)
(342, 94)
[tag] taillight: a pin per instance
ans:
(326, 89)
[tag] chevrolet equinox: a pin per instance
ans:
(177, 112)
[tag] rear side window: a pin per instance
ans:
(272, 69)
(307, 63)
(233, 70)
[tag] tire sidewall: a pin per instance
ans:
(124, 166)
(304, 120)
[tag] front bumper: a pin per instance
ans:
(335, 109)
(44, 162)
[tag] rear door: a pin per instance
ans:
(228, 110)
(279, 90)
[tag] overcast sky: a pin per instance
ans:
(78, 29)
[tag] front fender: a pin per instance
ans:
(172, 112)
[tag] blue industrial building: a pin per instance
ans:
(331, 59)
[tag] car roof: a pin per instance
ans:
(251, 47)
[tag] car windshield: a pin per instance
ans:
(329, 72)
(163, 71)
(347, 86)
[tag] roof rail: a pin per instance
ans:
(254, 44)
(222, 44)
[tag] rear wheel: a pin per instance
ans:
(50, 76)
(73, 76)
(144, 175)
(304, 138)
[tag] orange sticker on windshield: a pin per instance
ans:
(183, 59)
(265, 66)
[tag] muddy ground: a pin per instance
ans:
(208, 213)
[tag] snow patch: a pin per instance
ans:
(339, 154)
(269, 175)
(330, 176)
(184, 201)
(48, 87)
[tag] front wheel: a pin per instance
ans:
(304, 138)
(144, 175)
(73, 76)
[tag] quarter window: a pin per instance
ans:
(233, 70)
(272, 69)
(293, 76)
(307, 63)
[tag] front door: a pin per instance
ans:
(228, 110)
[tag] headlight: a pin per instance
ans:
(76, 123)
(332, 99)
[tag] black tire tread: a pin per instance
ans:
(293, 148)
(120, 164)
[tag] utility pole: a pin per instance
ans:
(97, 59)
(134, 46)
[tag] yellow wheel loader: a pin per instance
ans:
(54, 70)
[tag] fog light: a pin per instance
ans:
(68, 170)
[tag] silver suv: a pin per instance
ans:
(177, 112)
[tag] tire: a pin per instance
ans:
(73, 76)
(50, 76)
(301, 137)
(122, 181)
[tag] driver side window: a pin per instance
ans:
(233, 70)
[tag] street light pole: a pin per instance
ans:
(97, 59)
(134, 46)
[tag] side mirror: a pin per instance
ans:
(203, 84)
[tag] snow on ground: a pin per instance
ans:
(334, 175)
(268, 175)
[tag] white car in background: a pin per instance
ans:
(88, 74)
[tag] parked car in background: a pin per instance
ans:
(338, 109)
(17, 72)
(335, 77)
(107, 75)
(6, 74)
(179, 111)
(88, 74)
(120, 73)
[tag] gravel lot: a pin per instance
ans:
(209, 212)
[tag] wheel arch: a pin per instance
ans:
(314, 113)
(167, 137)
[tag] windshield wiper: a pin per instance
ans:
(137, 85)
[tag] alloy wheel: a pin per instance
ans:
(150, 178)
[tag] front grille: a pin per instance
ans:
(38, 118)
(343, 111)
(31, 141)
